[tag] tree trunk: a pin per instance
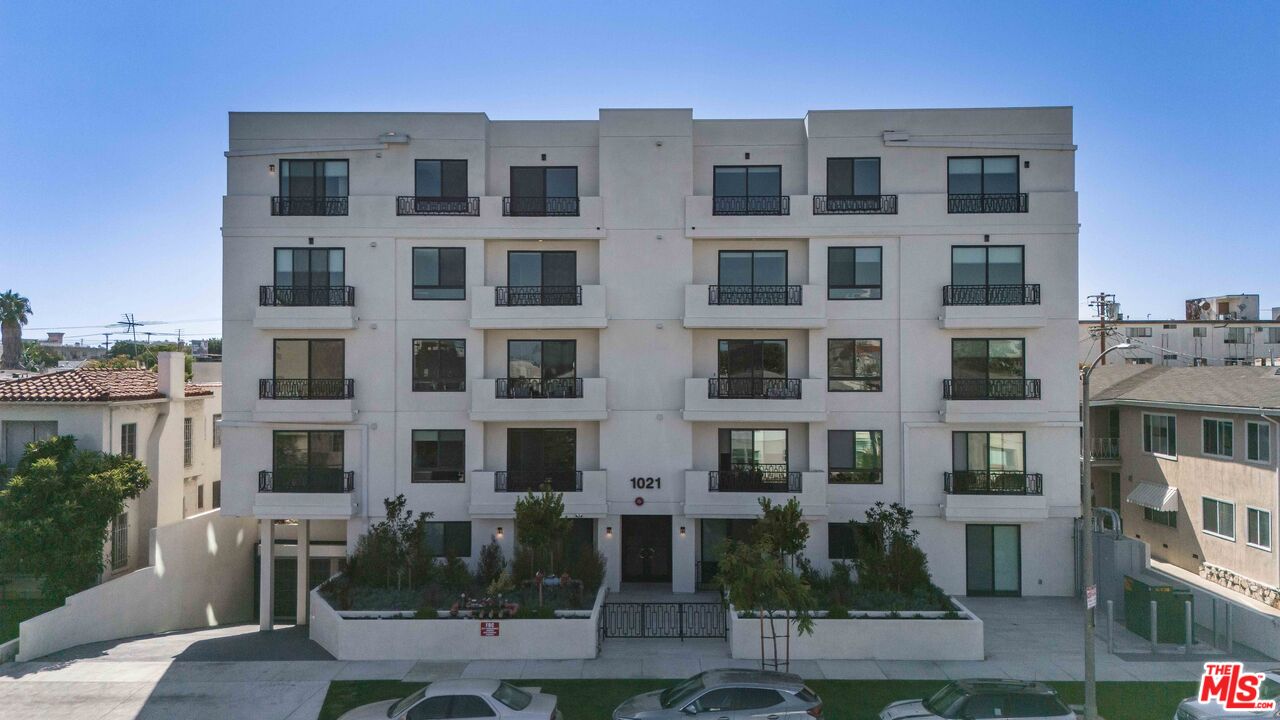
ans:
(12, 339)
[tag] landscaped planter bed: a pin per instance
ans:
(397, 635)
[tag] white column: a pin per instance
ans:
(684, 555)
(609, 540)
(304, 568)
(266, 575)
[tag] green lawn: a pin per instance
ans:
(844, 699)
(13, 612)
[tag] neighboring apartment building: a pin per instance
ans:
(1188, 458)
(664, 318)
(1219, 330)
(172, 426)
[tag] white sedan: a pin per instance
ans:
(459, 699)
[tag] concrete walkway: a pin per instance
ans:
(235, 672)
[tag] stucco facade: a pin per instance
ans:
(648, 231)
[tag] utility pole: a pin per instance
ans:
(1101, 303)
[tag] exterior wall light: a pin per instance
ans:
(608, 532)
(499, 533)
(681, 531)
(271, 169)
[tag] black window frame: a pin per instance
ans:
(858, 533)
(988, 341)
(757, 369)
(876, 380)
(450, 384)
(986, 266)
(577, 180)
(275, 375)
(786, 266)
(440, 252)
(457, 527)
(542, 267)
(129, 439)
(311, 470)
(310, 274)
(466, 184)
(724, 450)
(715, 184)
(318, 162)
(877, 289)
(529, 437)
(1026, 461)
(1017, 166)
(441, 473)
(853, 177)
(541, 342)
(854, 472)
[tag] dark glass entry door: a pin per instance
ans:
(646, 548)
(994, 559)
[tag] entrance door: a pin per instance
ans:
(646, 548)
(994, 564)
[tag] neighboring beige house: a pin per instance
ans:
(172, 426)
(1188, 458)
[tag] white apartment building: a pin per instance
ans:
(1184, 343)
(665, 318)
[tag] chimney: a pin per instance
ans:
(172, 370)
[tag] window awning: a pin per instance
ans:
(1157, 497)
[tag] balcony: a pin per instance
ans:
(306, 494)
(987, 203)
(755, 306)
(718, 493)
(314, 206)
(521, 399)
(461, 206)
(305, 308)
(989, 400)
(990, 389)
(305, 400)
(1106, 450)
(991, 306)
(755, 400)
(751, 205)
(517, 308)
(993, 497)
(539, 206)
(855, 204)
(494, 494)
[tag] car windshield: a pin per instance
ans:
(406, 703)
(678, 695)
(1269, 690)
(512, 696)
(945, 701)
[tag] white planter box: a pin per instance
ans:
(870, 639)
(353, 638)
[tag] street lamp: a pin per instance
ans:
(1086, 511)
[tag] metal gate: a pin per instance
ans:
(664, 620)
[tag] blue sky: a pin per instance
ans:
(113, 115)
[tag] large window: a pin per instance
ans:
(1259, 442)
(299, 268)
(747, 181)
(438, 456)
(1160, 434)
(742, 448)
(752, 268)
(541, 368)
(1219, 518)
(1238, 335)
(542, 269)
(988, 462)
(309, 369)
(982, 175)
(540, 191)
(307, 461)
(439, 365)
(539, 458)
(439, 273)
(850, 177)
(18, 433)
(988, 359)
(751, 359)
(854, 273)
(854, 365)
(1259, 528)
(129, 440)
(305, 179)
(844, 539)
(448, 539)
(987, 265)
(187, 432)
(440, 179)
(1218, 437)
(855, 456)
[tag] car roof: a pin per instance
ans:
(476, 686)
(759, 678)
(980, 686)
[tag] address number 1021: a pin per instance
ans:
(646, 483)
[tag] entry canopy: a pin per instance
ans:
(1157, 497)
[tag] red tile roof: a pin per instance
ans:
(90, 385)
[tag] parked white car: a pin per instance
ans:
(1193, 709)
(450, 699)
(984, 700)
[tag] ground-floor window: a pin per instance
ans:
(449, 539)
(843, 539)
(993, 564)
(1167, 518)
(713, 532)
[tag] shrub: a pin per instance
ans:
(588, 566)
(490, 565)
(453, 576)
(532, 612)
(838, 612)
(504, 584)
(889, 560)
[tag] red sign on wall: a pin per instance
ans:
(489, 628)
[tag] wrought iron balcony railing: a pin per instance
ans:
(754, 478)
(855, 204)
(856, 477)
(540, 206)
(981, 482)
(413, 205)
(538, 388)
(306, 388)
(1106, 448)
(282, 296)
(541, 295)
(751, 205)
(988, 203)
(991, 294)
(554, 479)
(308, 205)
(758, 388)
(991, 389)
(306, 480)
(754, 294)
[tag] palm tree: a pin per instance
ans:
(14, 310)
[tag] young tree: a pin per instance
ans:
(889, 558)
(540, 525)
(55, 509)
(756, 579)
(14, 311)
(401, 537)
(783, 527)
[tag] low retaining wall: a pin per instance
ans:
(348, 636)
(877, 637)
(201, 575)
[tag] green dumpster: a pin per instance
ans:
(1171, 613)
